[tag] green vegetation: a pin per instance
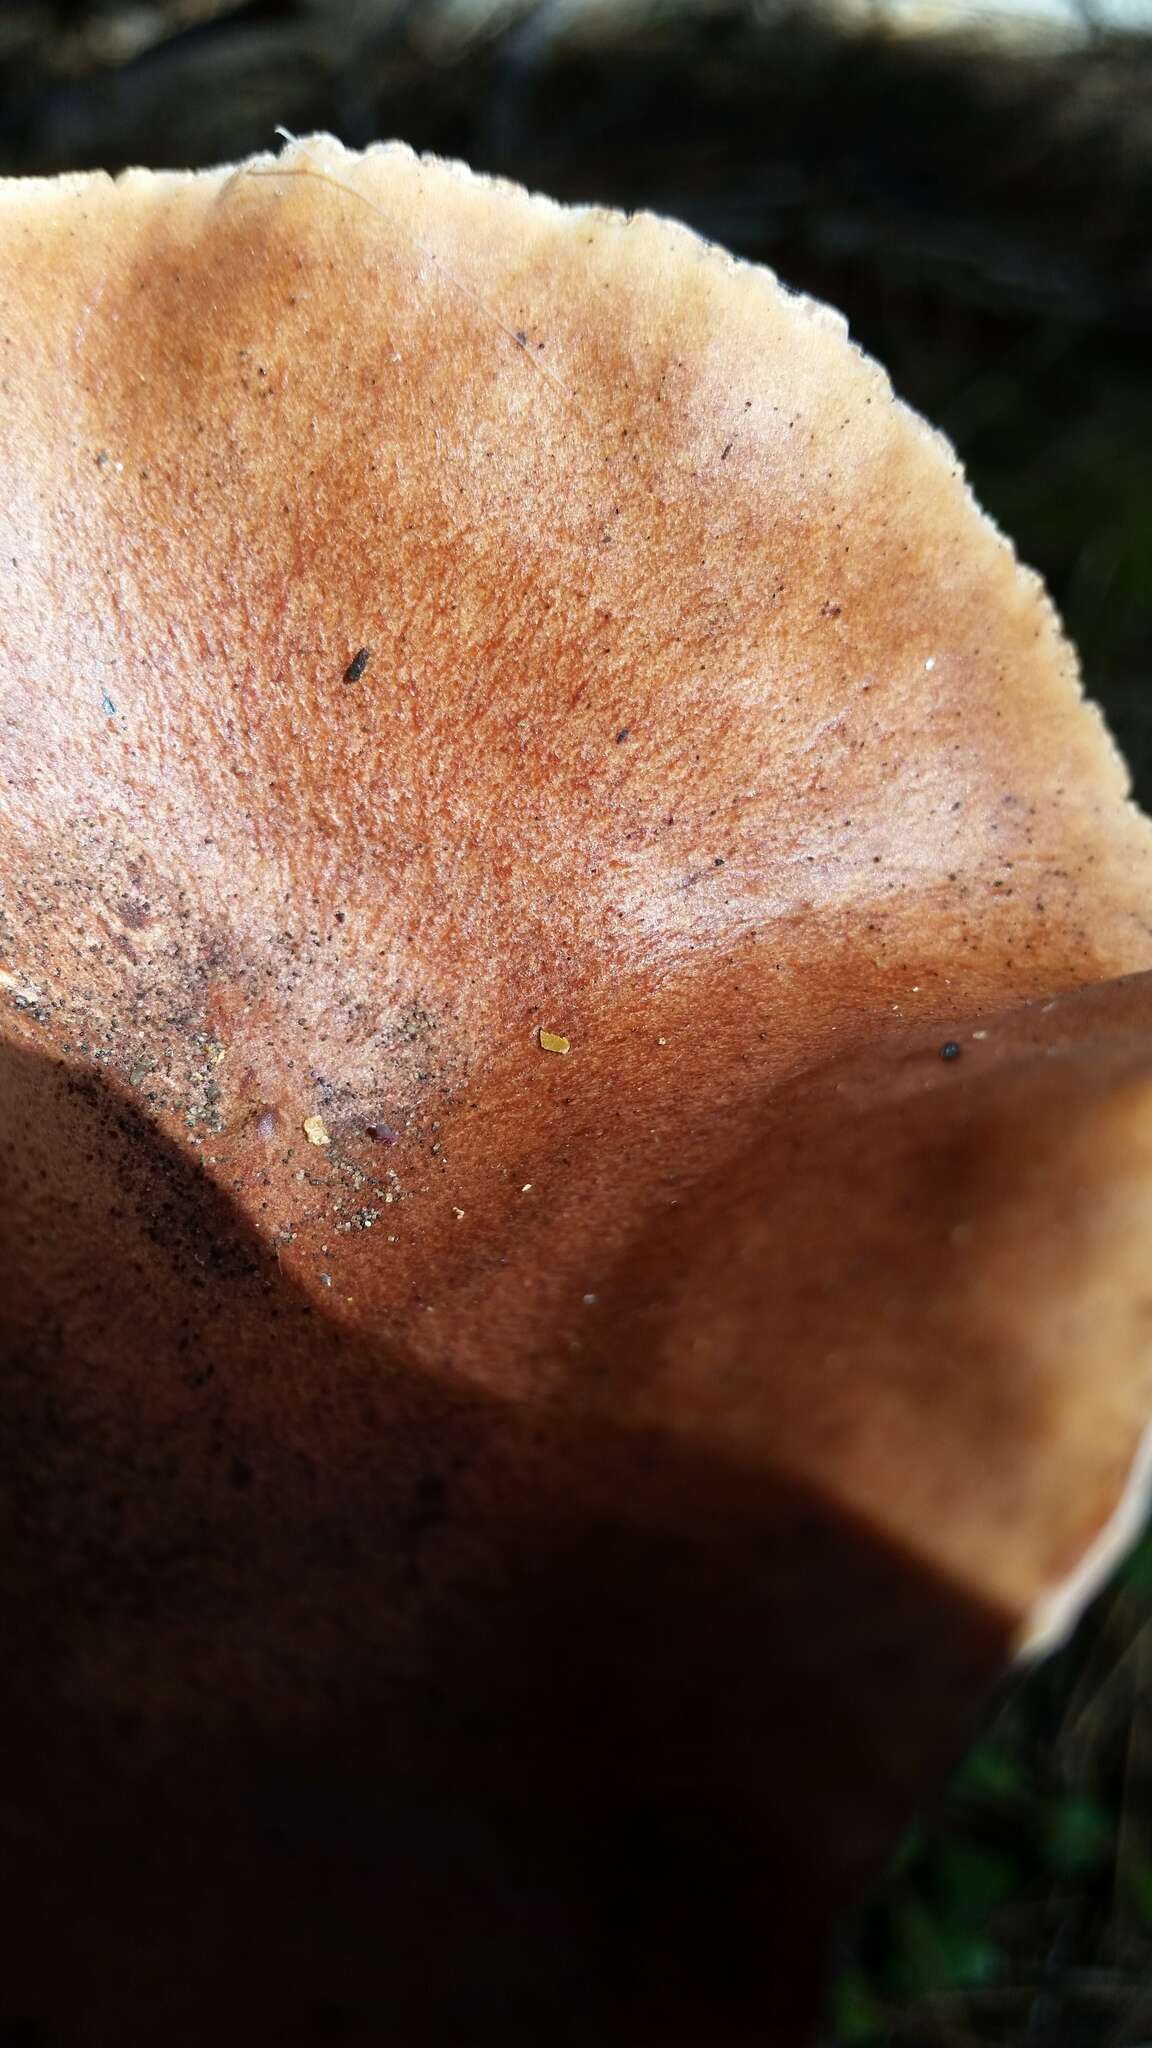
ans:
(1020, 1910)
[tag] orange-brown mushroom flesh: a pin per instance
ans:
(537, 1398)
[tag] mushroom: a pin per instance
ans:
(522, 1572)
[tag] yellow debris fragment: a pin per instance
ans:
(316, 1131)
(554, 1041)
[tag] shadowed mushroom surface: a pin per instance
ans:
(577, 1107)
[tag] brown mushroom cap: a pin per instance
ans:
(464, 1481)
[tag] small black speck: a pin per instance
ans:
(429, 1504)
(951, 1051)
(625, 733)
(718, 861)
(357, 665)
(726, 452)
(521, 337)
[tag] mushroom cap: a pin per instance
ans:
(518, 755)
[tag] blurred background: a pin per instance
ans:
(971, 182)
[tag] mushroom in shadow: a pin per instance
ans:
(577, 1121)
